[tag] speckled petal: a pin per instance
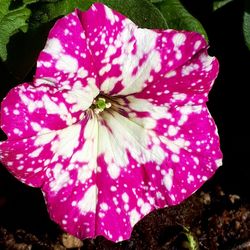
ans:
(28, 110)
(26, 159)
(188, 84)
(187, 140)
(38, 159)
(129, 59)
(66, 57)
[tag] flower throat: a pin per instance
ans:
(100, 103)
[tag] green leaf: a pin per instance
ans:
(246, 23)
(29, 1)
(142, 12)
(179, 18)
(11, 21)
(217, 4)
(48, 10)
(156, 1)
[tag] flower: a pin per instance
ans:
(115, 122)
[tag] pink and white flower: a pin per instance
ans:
(115, 123)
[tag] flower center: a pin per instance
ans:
(100, 104)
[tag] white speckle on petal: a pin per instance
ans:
(44, 139)
(170, 74)
(218, 162)
(197, 44)
(175, 158)
(61, 178)
(190, 178)
(105, 69)
(145, 208)
(109, 14)
(104, 206)
(179, 39)
(134, 217)
(67, 64)
(114, 171)
(82, 73)
(125, 197)
(172, 130)
(88, 202)
(36, 153)
(36, 127)
(53, 47)
(168, 179)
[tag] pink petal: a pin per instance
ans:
(189, 83)
(66, 57)
(130, 59)
(28, 110)
(186, 142)
(26, 159)
(33, 159)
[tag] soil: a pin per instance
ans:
(209, 219)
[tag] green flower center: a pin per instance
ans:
(100, 104)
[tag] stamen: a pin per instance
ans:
(100, 105)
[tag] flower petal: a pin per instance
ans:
(189, 83)
(129, 59)
(80, 187)
(66, 57)
(28, 110)
(33, 159)
(26, 159)
(188, 139)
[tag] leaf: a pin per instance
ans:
(246, 23)
(179, 18)
(142, 12)
(11, 21)
(46, 11)
(217, 4)
(156, 1)
(29, 1)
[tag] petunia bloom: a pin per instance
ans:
(115, 122)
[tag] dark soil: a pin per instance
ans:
(210, 219)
